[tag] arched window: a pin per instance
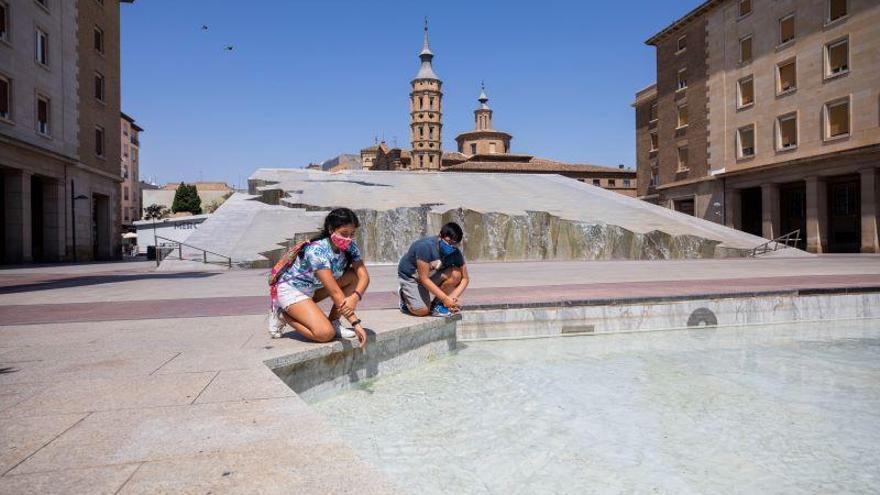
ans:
(421, 102)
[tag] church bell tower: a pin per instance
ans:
(426, 113)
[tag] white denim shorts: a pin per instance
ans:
(288, 294)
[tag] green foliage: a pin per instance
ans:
(187, 199)
(213, 205)
(155, 212)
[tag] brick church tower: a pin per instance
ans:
(426, 113)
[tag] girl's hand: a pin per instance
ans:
(349, 305)
(361, 335)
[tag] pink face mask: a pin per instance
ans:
(340, 241)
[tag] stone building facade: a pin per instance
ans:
(130, 202)
(788, 126)
(59, 130)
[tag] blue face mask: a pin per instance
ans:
(447, 248)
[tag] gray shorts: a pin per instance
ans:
(415, 295)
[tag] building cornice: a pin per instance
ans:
(683, 21)
(68, 160)
(685, 182)
(871, 148)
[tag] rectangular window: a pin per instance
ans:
(786, 76)
(5, 97)
(492, 148)
(786, 132)
(745, 50)
(626, 183)
(682, 82)
(473, 148)
(99, 141)
(125, 193)
(99, 40)
(431, 158)
(99, 86)
(612, 183)
(683, 164)
(836, 9)
(745, 92)
(786, 29)
(745, 7)
(42, 47)
(597, 182)
(837, 119)
(653, 180)
(682, 115)
(837, 57)
(681, 44)
(4, 21)
(652, 113)
(745, 142)
(43, 115)
(653, 141)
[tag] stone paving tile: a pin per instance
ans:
(162, 433)
(323, 469)
(78, 396)
(112, 364)
(22, 437)
(11, 394)
(94, 481)
(134, 310)
(242, 385)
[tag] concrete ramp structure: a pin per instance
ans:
(505, 217)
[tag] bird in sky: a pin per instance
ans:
(204, 27)
(229, 48)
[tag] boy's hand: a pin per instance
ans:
(450, 303)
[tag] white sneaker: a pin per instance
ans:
(342, 332)
(276, 323)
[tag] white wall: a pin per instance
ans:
(178, 229)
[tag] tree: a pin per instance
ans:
(155, 212)
(187, 199)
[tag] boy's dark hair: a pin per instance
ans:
(453, 231)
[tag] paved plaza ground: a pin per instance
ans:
(118, 378)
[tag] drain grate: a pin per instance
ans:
(568, 329)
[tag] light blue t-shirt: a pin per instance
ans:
(318, 255)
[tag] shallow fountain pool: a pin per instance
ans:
(769, 409)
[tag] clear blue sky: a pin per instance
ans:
(309, 79)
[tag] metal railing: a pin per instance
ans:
(788, 240)
(165, 248)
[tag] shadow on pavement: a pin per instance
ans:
(68, 282)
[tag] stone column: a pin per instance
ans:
(54, 219)
(770, 210)
(870, 242)
(733, 208)
(817, 215)
(17, 202)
